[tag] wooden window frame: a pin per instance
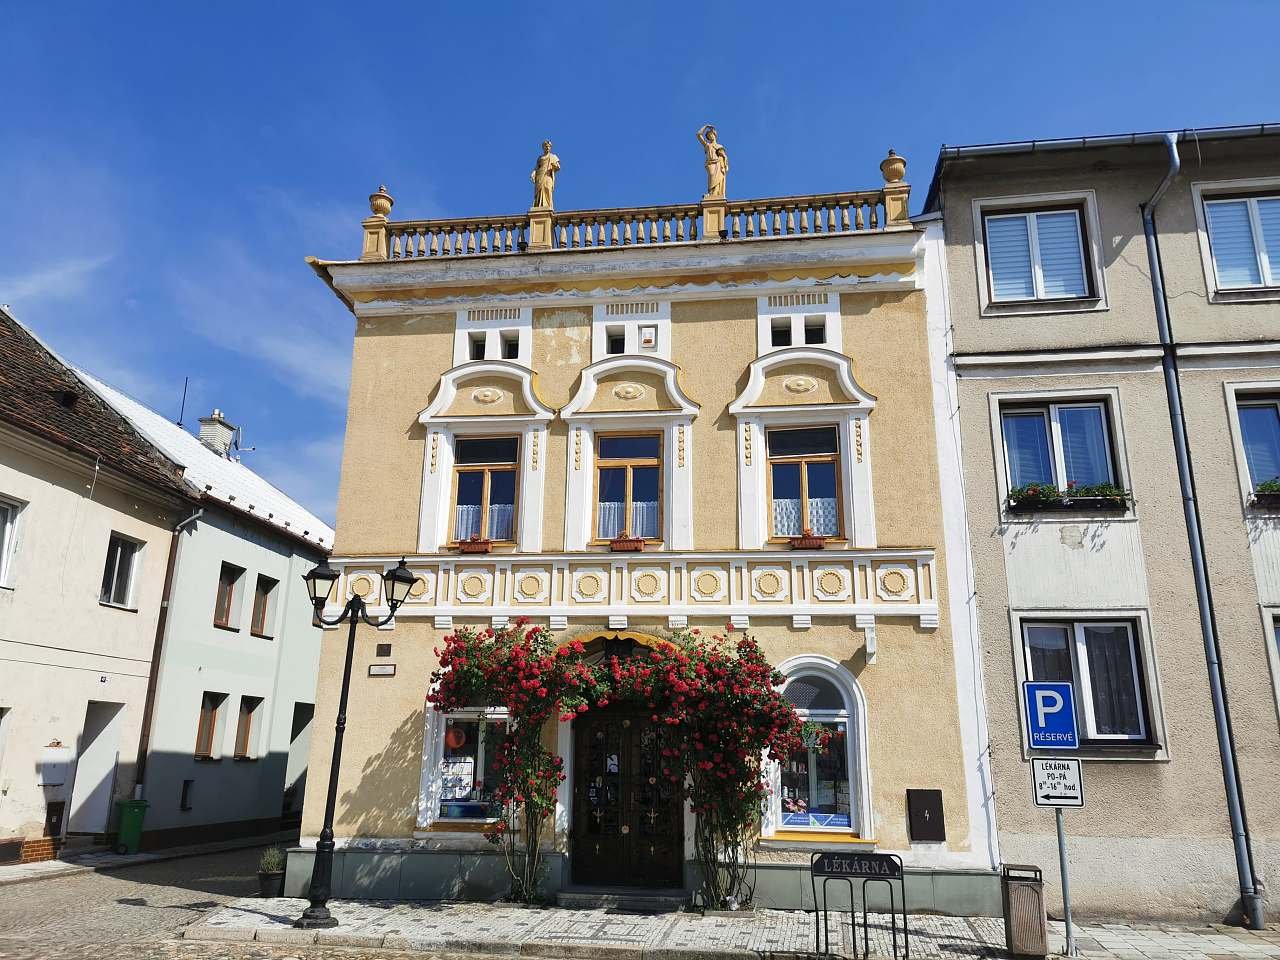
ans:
(487, 469)
(262, 606)
(1057, 456)
(244, 728)
(223, 620)
(628, 463)
(207, 726)
(1080, 677)
(1033, 248)
(804, 459)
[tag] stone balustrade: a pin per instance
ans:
(820, 213)
(624, 226)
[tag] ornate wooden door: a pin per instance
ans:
(628, 819)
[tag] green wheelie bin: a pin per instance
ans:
(129, 830)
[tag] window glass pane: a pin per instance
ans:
(1061, 263)
(815, 331)
(1231, 242)
(6, 532)
(1026, 441)
(1260, 431)
(644, 502)
(1269, 217)
(1049, 653)
(467, 514)
(1112, 681)
(510, 348)
(780, 333)
(1009, 254)
(787, 518)
(815, 784)
(813, 693)
(611, 513)
(467, 772)
(1086, 459)
(502, 504)
(796, 443)
(630, 448)
(488, 450)
(824, 515)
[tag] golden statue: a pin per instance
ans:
(544, 176)
(717, 162)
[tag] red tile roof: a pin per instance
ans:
(41, 396)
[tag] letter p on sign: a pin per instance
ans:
(1051, 715)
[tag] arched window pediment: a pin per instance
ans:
(486, 389)
(619, 387)
(800, 378)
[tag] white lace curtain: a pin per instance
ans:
(612, 517)
(501, 521)
(823, 517)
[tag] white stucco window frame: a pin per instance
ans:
(1110, 397)
(853, 426)
(1271, 638)
(1202, 190)
(1246, 390)
(442, 434)
(1091, 242)
(858, 759)
(135, 566)
(1149, 671)
(431, 780)
(491, 323)
(796, 309)
(676, 427)
(11, 524)
(639, 321)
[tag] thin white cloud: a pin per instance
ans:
(66, 279)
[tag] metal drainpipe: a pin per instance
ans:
(1251, 900)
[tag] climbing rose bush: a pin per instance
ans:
(718, 695)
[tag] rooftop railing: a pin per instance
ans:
(713, 218)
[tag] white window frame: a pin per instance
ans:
(796, 309)
(1271, 639)
(858, 766)
(431, 783)
(1037, 267)
(1051, 411)
(1208, 191)
(1090, 233)
(1119, 749)
(493, 323)
(1081, 671)
(1246, 392)
(638, 322)
(1110, 396)
(10, 512)
(131, 587)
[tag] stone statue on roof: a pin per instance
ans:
(544, 177)
(717, 161)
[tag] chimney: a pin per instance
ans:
(216, 433)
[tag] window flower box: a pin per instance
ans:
(475, 545)
(808, 541)
(625, 543)
(1037, 498)
(1265, 499)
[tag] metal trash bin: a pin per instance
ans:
(1022, 896)
(129, 828)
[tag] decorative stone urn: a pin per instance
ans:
(380, 202)
(893, 167)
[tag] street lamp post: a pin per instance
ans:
(397, 582)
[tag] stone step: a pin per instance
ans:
(636, 900)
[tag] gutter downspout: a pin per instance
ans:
(1250, 898)
(153, 678)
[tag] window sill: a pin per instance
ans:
(227, 627)
(1246, 295)
(244, 759)
(1032, 308)
(206, 759)
(459, 825)
(1093, 750)
(117, 606)
(261, 636)
(807, 840)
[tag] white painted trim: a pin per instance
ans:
(453, 378)
(591, 374)
(796, 315)
(1271, 639)
(1202, 190)
(962, 607)
(1096, 301)
(761, 367)
(654, 313)
(471, 320)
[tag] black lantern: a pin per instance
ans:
(397, 582)
(320, 580)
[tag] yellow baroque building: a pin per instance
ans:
(623, 422)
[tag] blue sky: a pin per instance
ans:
(166, 167)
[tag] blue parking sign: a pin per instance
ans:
(1051, 715)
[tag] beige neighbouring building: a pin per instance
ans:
(758, 390)
(1059, 363)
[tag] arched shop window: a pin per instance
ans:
(819, 787)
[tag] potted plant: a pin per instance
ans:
(474, 544)
(1266, 494)
(1034, 497)
(808, 541)
(625, 543)
(271, 873)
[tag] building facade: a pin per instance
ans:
(86, 514)
(229, 734)
(717, 415)
(1082, 556)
